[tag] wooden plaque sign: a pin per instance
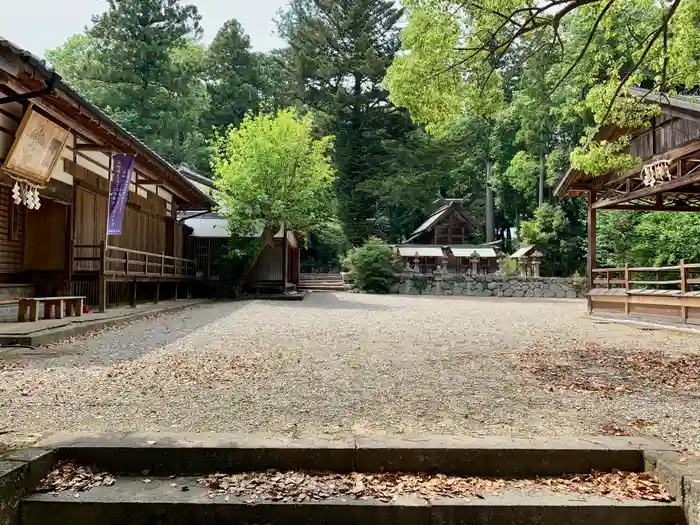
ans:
(37, 147)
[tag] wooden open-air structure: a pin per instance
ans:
(666, 180)
(61, 247)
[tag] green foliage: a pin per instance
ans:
(556, 67)
(647, 239)
(522, 174)
(556, 235)
(373, 266)
(234, 77)
(339, 54)
(325, 247)
(272, 171)
(420, 283)
(510, 267)
(602, 157)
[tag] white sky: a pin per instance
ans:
(38, 25)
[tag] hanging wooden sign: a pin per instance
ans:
(37, 147)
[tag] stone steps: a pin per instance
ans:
(171, 461)
(331, 282)
(132, 501)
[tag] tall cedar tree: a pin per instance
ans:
(342, 50)
(234, 80)
(141, 48)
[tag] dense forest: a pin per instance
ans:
(434, 99)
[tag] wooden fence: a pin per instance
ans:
(112, 263)
(665, 292)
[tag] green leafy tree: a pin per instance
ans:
(463, 58)
(272, 171)
(550, 231)
(373, 266)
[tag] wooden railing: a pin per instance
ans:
(667, 292)
(683, 277)
(123, 262)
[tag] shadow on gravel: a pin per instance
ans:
(334, 301)
(128, 340)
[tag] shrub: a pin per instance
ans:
(373, 267)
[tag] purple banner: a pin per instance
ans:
(122, 165)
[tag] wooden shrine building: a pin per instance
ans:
(207, 244)
(443, 240)
(667, 179)
(58, 244)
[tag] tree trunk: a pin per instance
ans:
(489, 203)
(540, 198)
(266, 240)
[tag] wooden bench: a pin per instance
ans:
(71, 305)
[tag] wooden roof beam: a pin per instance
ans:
(691, 177)
(692, 147)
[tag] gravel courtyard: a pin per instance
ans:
(338, 363)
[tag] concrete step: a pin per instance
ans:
(188, 453)
(170, 461)
(132, 501)
(322, 286)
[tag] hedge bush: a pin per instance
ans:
(374, 266)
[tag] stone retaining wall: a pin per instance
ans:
(490, 285)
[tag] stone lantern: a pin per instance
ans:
(474, 258)
(501, 259)
(444, 262)
(416, 263)
(523, 266)
(536, 261)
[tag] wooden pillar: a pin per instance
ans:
(102, 278)
(627, 288)
(591, 245)
(176, 291)
(156, 296)
(285, 259)
(134, 289)
(684, 288)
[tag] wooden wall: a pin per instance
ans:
(45, 237)
(11, 243)
(669, 132)
(451, 230)
(144, 225)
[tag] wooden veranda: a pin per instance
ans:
(667, 179)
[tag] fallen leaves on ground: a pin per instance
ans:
(593, 368)
(617, 484)
(613, 429)
(300, 487)
(194, 367)
(69, 476)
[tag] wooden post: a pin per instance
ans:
(591, 245)
(285, 258)
(627, 288)
(134, 288)
(684, 288)
(102, 278)
(176, 291)
(126, 263)
(162, 263)
(71, 266)
(607, 274)
(156, 297)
